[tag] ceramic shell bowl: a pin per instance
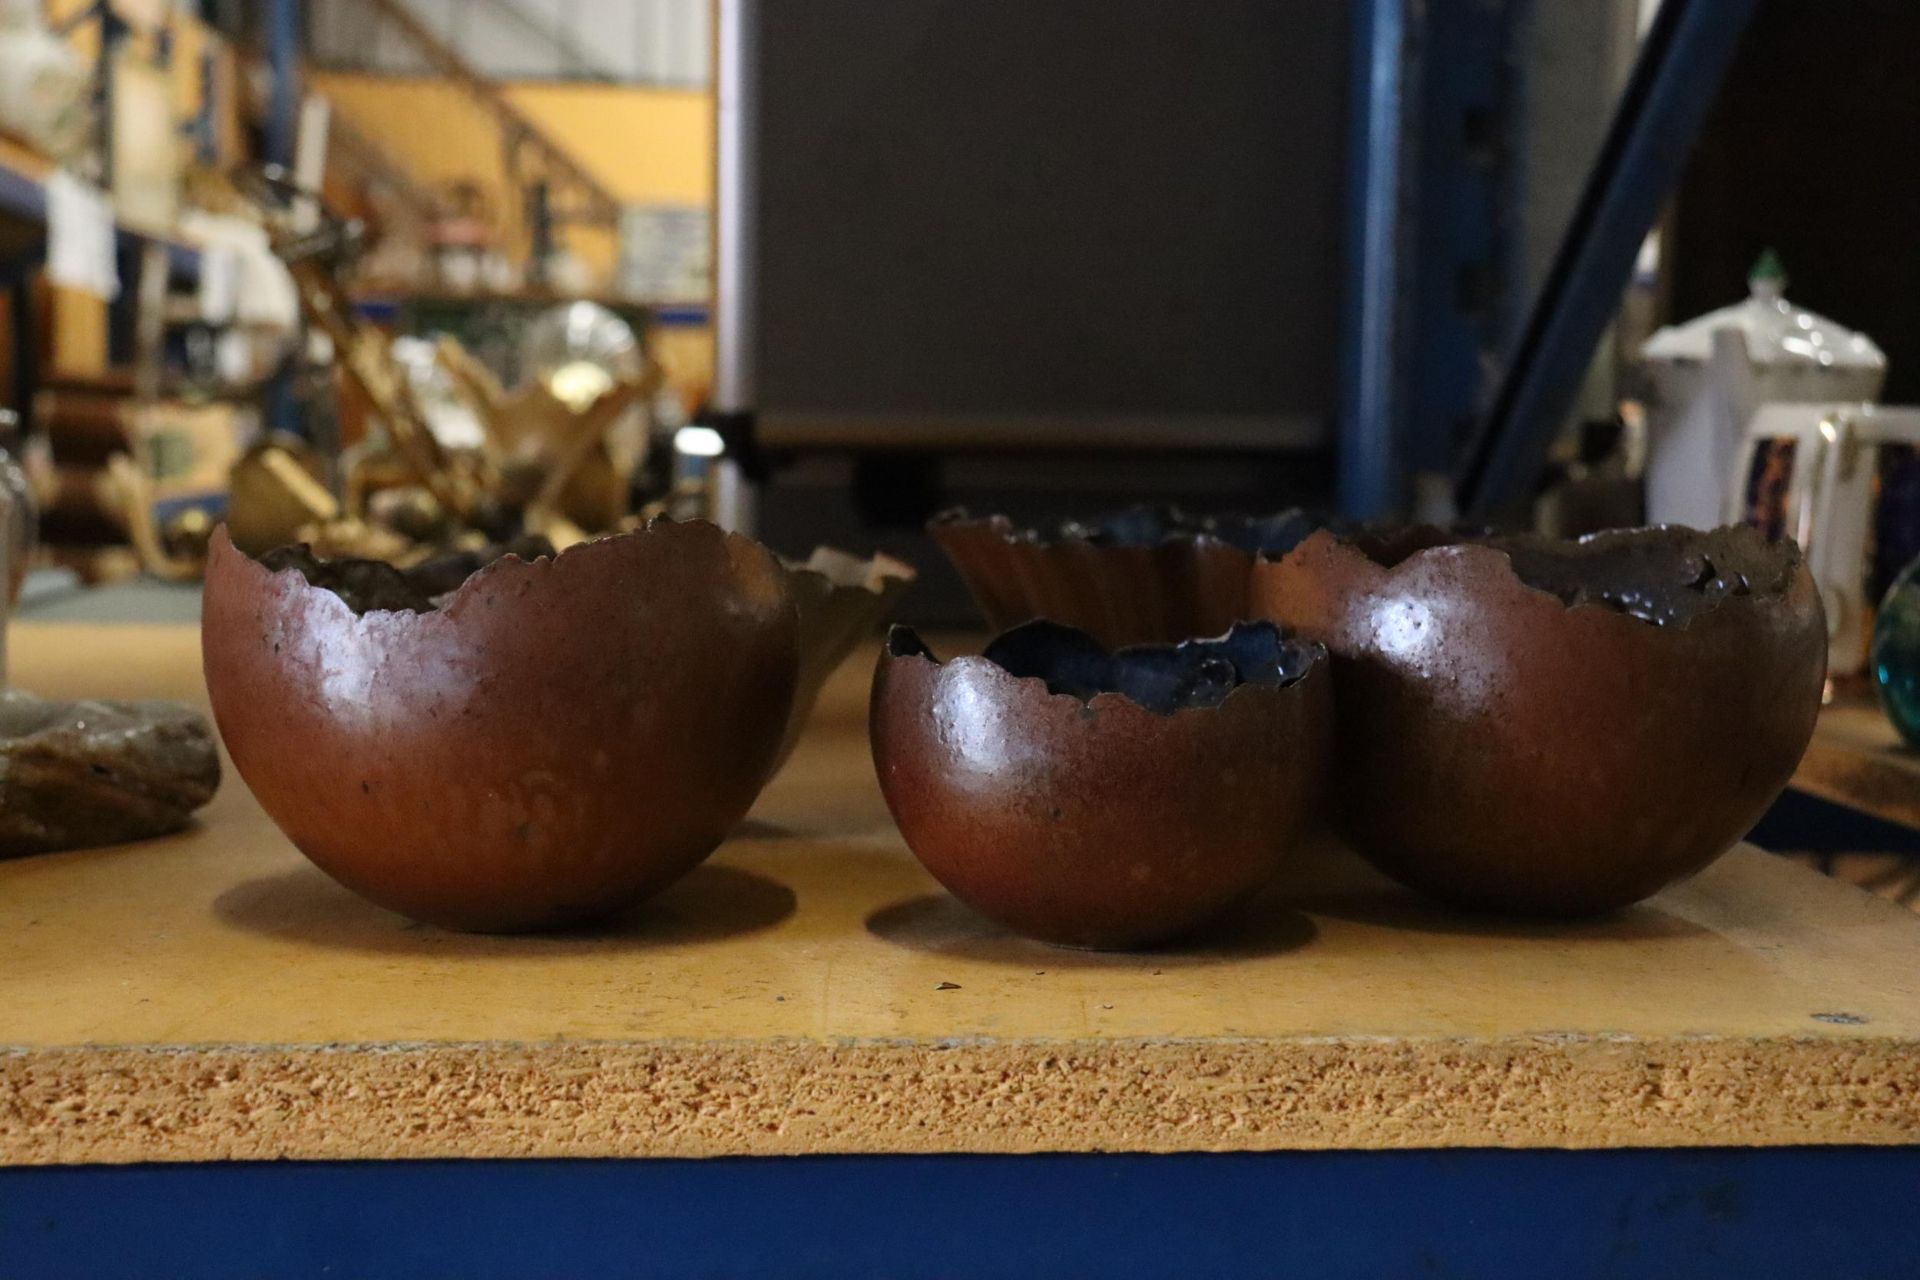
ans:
(555, 740)
(1557, 728)
(1143, 576)
(1102, 800)
(842, 599)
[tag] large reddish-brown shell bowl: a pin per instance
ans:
(1557, 728)
(1143, 576)
(1102, 800)
(558, 739)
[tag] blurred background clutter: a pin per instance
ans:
(396, 272)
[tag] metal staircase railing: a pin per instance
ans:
(571, 61)
(368, 158)
(532, 155)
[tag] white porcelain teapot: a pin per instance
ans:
(1711, 374)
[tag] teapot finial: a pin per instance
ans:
(1768, 276)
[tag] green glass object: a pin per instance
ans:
(1896, 653)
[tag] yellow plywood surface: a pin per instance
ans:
(1857, 759)
(210, 995)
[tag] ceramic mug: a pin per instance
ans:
(1843, 480)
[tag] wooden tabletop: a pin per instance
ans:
(212, 996)
(1856, 759)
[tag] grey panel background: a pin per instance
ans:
(1051, 207)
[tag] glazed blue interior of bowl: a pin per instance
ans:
(1163, 678)
(1665, 575)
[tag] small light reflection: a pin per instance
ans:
(699, 442)
(1402, 629)
(967, 720)
(579, 383)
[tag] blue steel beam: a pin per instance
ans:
(21, 196)
(1683, 60)
(1755, 1214)
(283, 58)
(1370, 472)
(1463, 156)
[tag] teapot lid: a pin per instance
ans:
(1777, 332)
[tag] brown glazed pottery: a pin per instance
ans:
(1102, 800)
(842, 599)
(1143, 576)
(553, 740)
(1557, 728)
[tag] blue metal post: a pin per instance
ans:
(1682, 61)
(113, 34)
(1462, 154)
(206, 137)
(283, 119)
(1370, 470)
(283, 57)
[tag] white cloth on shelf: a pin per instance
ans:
(80, 237)
(241, 281)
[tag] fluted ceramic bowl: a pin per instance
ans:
(1143, 576)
